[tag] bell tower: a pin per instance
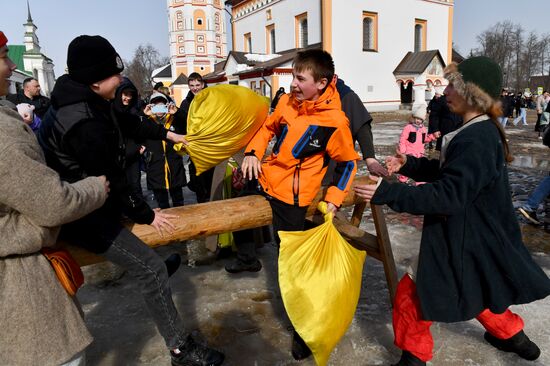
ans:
(198, 38)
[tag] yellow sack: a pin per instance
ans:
(221, 121)
(320, 281)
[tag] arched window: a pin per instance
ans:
(417, 38)
(301, 31)
(199, 17)
(370, 31)
(420, 35)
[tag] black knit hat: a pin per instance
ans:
(91, 59)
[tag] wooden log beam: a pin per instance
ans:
(212, 218)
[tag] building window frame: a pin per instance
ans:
(247, 42)
(420, 25)
(270, 41)
(370, 31)
(301, 30)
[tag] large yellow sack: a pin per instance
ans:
(320, 280)
(221, 121)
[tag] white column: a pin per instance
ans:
(419, 91)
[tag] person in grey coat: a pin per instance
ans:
(41, 324)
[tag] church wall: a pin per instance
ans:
(370, 74)
(283, 15)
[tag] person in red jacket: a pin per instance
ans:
(310, 127)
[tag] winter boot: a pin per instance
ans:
(520, 344)
(190, 353)
(408, 359)
(300, 350)
(239, 265)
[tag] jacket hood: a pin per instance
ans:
(125, 85)
(342, 88)
(67, 91)
(330, 99)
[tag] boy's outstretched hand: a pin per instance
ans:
(251, 167)
(176, 138)
(366, 191)
(396, 162)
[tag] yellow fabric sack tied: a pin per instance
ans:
(221, 121)
(320, 281)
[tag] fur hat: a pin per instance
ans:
(3, 39)
(91, 59)
(419, 112)
(477, 79)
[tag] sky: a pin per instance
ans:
(129, 23)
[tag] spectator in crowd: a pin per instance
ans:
(127, 101)
(442, 119)
(201, 184)
(521, 107)
(540, 102)
(31, 94)
(165, 169)
(415, 136)
(506, 108)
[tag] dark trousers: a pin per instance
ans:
(161, 196)
(133, 174)
(200, 184)
(285, 217)
(149, 271)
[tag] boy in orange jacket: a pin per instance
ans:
(310, 129)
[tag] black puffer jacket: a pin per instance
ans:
(165, 169)
(82, 135)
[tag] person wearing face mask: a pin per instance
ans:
(165, 169)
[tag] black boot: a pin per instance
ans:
(239, 265)
(408, 359)
(520, 344)
(172, 263)
(193, 354)
(300, 350)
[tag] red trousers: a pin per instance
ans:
(413, 334)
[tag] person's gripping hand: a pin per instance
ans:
(251, 167)
(162, 222)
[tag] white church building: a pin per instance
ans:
(391, 53)
(30, 61)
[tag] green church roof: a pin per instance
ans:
(15, 53)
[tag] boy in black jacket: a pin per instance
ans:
(82, 135)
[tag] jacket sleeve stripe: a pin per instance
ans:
(344, 179)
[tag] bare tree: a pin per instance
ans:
(139, 70)
(520, 56)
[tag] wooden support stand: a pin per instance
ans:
(212, 218)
